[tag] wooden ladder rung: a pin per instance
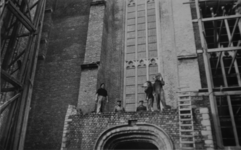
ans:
(184, 100)
(184, 104)
(187, 130)
(185, 107)
(186, 148)
(187, 142)
(186, 125)
(184, 95)
(185, 110)
(189, 114)
(186, 119)
(186, 136)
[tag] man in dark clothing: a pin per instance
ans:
(141, 107)
(101, 95)
(149, 95)
(159, 92)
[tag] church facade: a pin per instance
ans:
(194, 45)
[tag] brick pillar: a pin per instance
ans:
(88, 83)
(205, 128)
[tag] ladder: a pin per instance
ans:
(186, 127)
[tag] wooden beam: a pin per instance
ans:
(228, 32)
(225, 93)
(8, 102)
(235, 132)
(16, 58)
(216, 18)
(234, 57)
(223, 49)
(190, 2)
(28, 8)
(220, 93)
(28, 96)
(20, 16)
(212, 98)
(10, 79)
(8, 89)
(223, 89)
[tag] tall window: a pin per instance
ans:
(141, 49)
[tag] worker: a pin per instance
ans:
(141, 107)
(101, 96)
(159, 92)
(118, 107)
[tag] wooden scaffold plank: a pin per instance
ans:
(20, 16)
(10, 79)
(8, 102)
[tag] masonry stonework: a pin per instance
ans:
(85, 129)
(87, 91)
(95, 33)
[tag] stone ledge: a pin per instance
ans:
(98, 2)
(90, 65)
(191, 56)
(170, 112)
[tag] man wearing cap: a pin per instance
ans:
(118, 107)
(141, 107)
(159, 92)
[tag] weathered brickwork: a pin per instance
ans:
(58, 76)
(87, 90)
(202, 114)
(95, 31)
(84, 130)
(203, 129)
(88, 83)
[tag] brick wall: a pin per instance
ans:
(84, 130)
(87, 90)
(203, 130)
(58, 76)
(95, 31)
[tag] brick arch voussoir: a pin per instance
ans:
(151, 140)
(154, 132)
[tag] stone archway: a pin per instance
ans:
(115, 137)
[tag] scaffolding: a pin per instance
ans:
(21, 27)
(219, 29)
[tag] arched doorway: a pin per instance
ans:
(135, 145)
(139, 136)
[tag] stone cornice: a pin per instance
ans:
(98, 2)
(90, 65)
